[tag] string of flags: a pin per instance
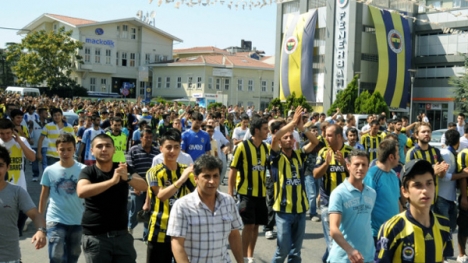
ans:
(261, 3)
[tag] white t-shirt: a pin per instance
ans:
(239, 134)
(36, 133)
(16, 172)
(183, 158)
(463, 143)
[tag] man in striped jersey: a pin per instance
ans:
(140, 158)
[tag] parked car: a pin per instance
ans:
(71, 117)
(436, 138)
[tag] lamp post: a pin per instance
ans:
(413, 73)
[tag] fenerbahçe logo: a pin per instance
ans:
(395, 41)
(290, 45)
(408, 252)
(342, 3)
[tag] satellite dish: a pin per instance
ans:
(139, 13)
(153, 14)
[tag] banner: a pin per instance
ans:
(297, 57)
(394, 47)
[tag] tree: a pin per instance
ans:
(460, 82)
(345, 98)
(45, 57)
(374, 104)
(291, 100)
(214, 105)
(358, 105)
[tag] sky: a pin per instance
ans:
(211, 25)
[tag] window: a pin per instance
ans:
(226, 84)
(104, 85)
(168, 82)
(124, 59)
(199, 82)
(189, 82)
(179, 82)
(159, 85)
(156, 58)
(132, 59)
(87, 56)
(250, 85)
(210, 83)
(117, 58)
(124, 31)
(55, 28)
(264, 86)
(92, 84)
(118, 31)
(147, 58)
(218, 84)
(97, 55)
(108, 56)
(132, 33)
(240, 85)
(142, 88)
(272, 86)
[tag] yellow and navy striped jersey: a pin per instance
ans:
(230, 126)
(371, 144)
(163, 177)
(462, 163)
(120, 144)
(52, 132)
(323, 141)
(251, 164)
(288, 177)
(335, 174)
(431, 155)
(403, 239)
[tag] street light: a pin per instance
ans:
(413, 73)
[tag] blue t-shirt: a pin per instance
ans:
(137, 136)
(355, 208)
(65, 206)
(402, 139)
(387, 188)
(195, 143)
(88, 136)
(125, 131)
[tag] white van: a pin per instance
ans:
(24, 92)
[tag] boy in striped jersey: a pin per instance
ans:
(417, 234)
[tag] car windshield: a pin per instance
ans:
(436, 136)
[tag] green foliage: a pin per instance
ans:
(291, 100)
(160, 100)
(374, 104)
(8, 78)
(460, 83)
(214, 105)
(45, 57)
(360, 101)
(346, 98)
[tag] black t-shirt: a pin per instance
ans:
(106, 211)
(105, 124)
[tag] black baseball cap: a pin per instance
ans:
(414, 166)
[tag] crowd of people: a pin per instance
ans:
(382, 193)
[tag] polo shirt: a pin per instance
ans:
(140, 160)
(52, 132)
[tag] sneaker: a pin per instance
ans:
(270, 235)
(35, 179)
(463, 259)
(251, 260)
(315, 218)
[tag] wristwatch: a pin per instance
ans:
(129, 177)
(42, 229)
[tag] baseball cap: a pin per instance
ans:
(144, 110)
(416, 165)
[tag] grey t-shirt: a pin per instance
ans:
(13, 198)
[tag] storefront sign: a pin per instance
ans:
(109, 43)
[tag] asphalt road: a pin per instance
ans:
(312, 251)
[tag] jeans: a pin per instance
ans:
(291, 229)
(64, 242)
(326, 230)
(448, 209)
(35, 164)
(159, 252)
(51, 160)
(270, 200)
(115, 246)
(312, 189)
(136, 205)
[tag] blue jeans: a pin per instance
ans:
(448, 209)
(312, 189)
(326, 230)
(35, 164)
(136, 205)
(291, 229)
(64, 242)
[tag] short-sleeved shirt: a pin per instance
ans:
(335, 174)
(195, 143)
(140, 160)
(371, 144)
(52, 132)
(251, 163)
(65, 206)
(239, 134)
(206, 233)
(120, 144)
(387, 188)
(106, 211)
(403, 239)
(14, 198)
(402, 140)
(16, 172)
(183, 158)
(355, 208)
(36, 132)
(88, 136)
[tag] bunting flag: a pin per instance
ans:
(394, 47)
(297, 57)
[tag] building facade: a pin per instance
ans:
(115, 52)
(348, 41)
